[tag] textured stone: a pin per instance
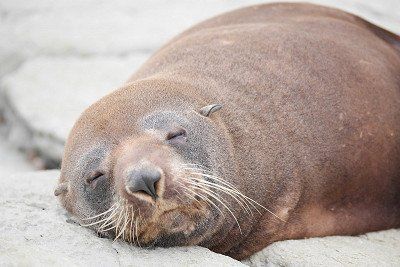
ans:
(36, 231)
(59, 57)
(372, 249)
(12, 160)
(120, 27)
(44, 97)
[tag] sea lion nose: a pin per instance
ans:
(143, 180)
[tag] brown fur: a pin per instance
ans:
(311, 119)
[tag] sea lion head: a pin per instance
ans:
(145, 164)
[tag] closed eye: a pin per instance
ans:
(176, 134)
(94, 176)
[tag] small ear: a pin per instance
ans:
(208, 110)
(61, 189)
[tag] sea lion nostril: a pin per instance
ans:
(143, 180)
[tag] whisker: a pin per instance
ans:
(111, 227)
(190, 196)
(178, 195)
(118, 223)
(110, 221)
(269, 211)
(94, 223)
(202, 197)
(101, 220)
(250, 200)
(187, 191)
(110, 217)
(210, 193)
(122, 231)
(235, 194)
(213, 177)
(196, 165)
(125, 224)
(209, 202)
(98, 215)
(131, 226)
(137, 227)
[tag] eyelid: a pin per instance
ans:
(176, 133)
(93, 176)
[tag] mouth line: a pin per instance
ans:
(165, 216)
(167, 220)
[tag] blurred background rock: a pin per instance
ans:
(58, 57)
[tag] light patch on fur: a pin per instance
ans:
(227, 42)
(283, 213)
(318, 222)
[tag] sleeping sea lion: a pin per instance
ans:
(271, 122)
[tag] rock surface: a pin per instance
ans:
(44, 97)
(12, 160)
(58, 57)
(36, 231)
(372, 249)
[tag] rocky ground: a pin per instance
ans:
(58, 57)
(36, 231)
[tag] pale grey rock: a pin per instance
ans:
(372, 249)
(59, 57)
(12, 159)
(35, 231)
(94, 27)
(45, 96)
(115, 27)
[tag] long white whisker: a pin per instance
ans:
(96, 222)
(196, 165)
(269, 211)
(213, 177)
(207, 200)
(132, 236)
(187, 191)
(210, 193)
(106, 224)
(233, 193)
(122, 231)
(125, 224)
(98, 215)
(178, 195)
(202, 197)
(111, 227)
(118, 223)
(109, 218)
(250, 200)
(137, 227)
(192, 197)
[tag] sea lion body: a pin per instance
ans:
(309, 129)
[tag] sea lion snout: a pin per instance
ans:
(142, 167)
(143, 180)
